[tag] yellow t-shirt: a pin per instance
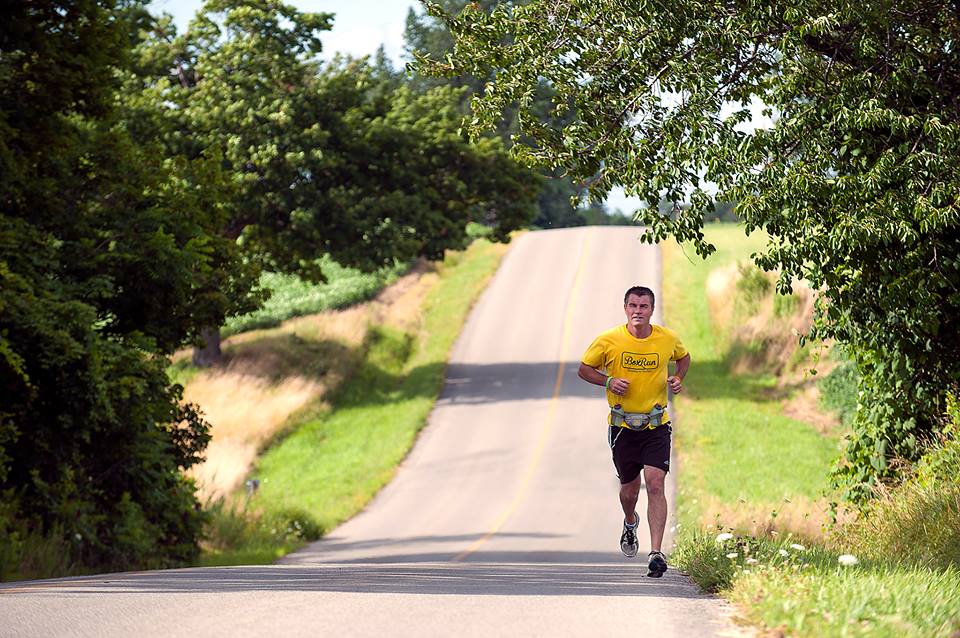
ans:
(641, 361)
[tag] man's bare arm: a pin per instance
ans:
(591, 375)
(594, 376)
(676, 381)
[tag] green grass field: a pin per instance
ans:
(293, 297)
(330, 466)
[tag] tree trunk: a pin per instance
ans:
(209, 354)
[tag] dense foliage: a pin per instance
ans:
(104, 266)
(856, 180)
(562, 202)
(326, 158)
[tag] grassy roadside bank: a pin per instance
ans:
(751, 488)
(335, 459)
(745, 464)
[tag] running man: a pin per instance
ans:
(631, 361)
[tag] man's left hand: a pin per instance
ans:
(675, 384)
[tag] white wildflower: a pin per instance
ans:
(797, 546)
(783, 552)
(724, 537)
(847, 560)
(752, 561)
(732, 555)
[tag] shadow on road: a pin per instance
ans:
(473, 579)
(485, 383)
(331, 549)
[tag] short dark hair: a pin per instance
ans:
(640, 291)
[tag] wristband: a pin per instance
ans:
(607, 384)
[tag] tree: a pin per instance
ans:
(325, 158)
(107, 264)
(559, 204)
(856, 182)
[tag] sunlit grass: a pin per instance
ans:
(832, 600)
(805, 590)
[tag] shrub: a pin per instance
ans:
(839, 391)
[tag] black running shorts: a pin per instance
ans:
(632, 449)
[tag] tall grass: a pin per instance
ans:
(916, 523)
(801, 590)
(26, 552)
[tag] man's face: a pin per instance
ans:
(638, 309)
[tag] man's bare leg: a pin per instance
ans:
(656, 504)
(629, 494)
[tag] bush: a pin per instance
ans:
(97, 471)
(839, 390)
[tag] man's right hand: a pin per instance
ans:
(618, 386)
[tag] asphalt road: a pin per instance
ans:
(503, 520)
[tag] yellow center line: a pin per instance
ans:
(547, 427)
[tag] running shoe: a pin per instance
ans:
(657, 564)
(628, 540)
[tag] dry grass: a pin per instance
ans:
(245, 412)
(268, 376)
(765, 341)
(721, 288)
(773, 342)
(798, 516)
(759, 335)
(804, 405)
